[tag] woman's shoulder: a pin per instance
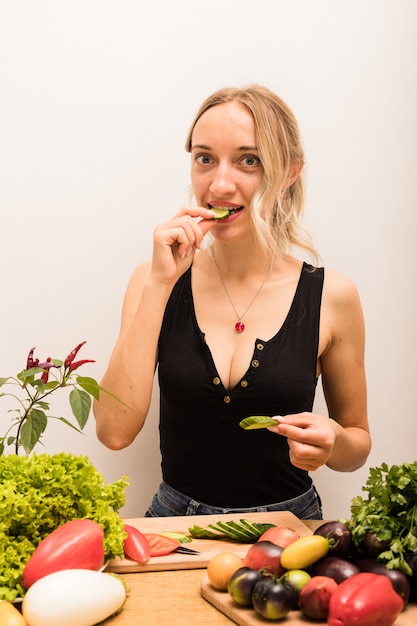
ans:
(339, 289)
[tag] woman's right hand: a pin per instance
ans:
(176, 241)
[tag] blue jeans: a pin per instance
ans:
(169, 502)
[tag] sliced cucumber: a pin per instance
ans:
(257, 421)
(181, 537)
(220, 213)
(243, 531)
(198, 532)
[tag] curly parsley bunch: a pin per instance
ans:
(389, 512)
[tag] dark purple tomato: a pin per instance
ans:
(371, 547)
(271, 599)
(412, 560)
(334, 567)
(399, 580)
(241, 585)
(340, 537)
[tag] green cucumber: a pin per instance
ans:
(220, 213)
(181, 537)
(243, 531)
(257, 421)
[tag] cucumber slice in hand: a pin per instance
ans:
(257, 421)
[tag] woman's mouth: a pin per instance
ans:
(223, 211)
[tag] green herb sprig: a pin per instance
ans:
(390, 512)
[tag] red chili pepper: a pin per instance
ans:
(76, 364)
(364, 599)
(46, 367)
(161, 545)
(73, 354)
(30, 360)
(136, 546)
(77, 544)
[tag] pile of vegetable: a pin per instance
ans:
(323, 575)
(42, 492)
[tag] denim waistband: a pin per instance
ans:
(169, 502)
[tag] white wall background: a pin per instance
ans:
(96, 98)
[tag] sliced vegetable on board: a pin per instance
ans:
(76, 597)
(136, 546)
(243, 531)
(160, 545)
(74, 545)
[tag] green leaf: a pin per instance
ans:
(65, 421)
(32, 429)
(80, 402)
(3, 381)
(89, 385)
(26, 375)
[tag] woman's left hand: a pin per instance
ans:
(310, 437)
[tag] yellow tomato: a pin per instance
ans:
(221, 567)
(9, 615)
(304, 552)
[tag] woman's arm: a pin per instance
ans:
(130, 372)
(343, 442)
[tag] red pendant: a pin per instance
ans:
(239, 327)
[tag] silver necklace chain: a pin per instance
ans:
(240, 327)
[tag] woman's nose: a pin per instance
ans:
(223, 181)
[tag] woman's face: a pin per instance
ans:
(226, 169)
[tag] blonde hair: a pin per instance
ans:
(278, 204)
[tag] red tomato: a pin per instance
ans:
(77, 544)
(280, 535)
(161, 545)
(136, 546)
(265, 555)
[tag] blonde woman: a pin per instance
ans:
(239, 327)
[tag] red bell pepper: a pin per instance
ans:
(136, 546)
(160, 545)
(78, 544)
(364, 599)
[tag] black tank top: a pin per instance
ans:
(205, 453)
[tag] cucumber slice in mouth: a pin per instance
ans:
(220, 213)
(257, 421)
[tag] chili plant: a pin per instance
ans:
(33, 389)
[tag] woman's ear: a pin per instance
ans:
(295, 172)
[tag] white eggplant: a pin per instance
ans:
(73, 597)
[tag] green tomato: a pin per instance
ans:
(296, 578)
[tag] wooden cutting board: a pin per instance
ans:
(248, 617)
(206, 547)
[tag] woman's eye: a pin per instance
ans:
(250, 160)
(204, 159)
